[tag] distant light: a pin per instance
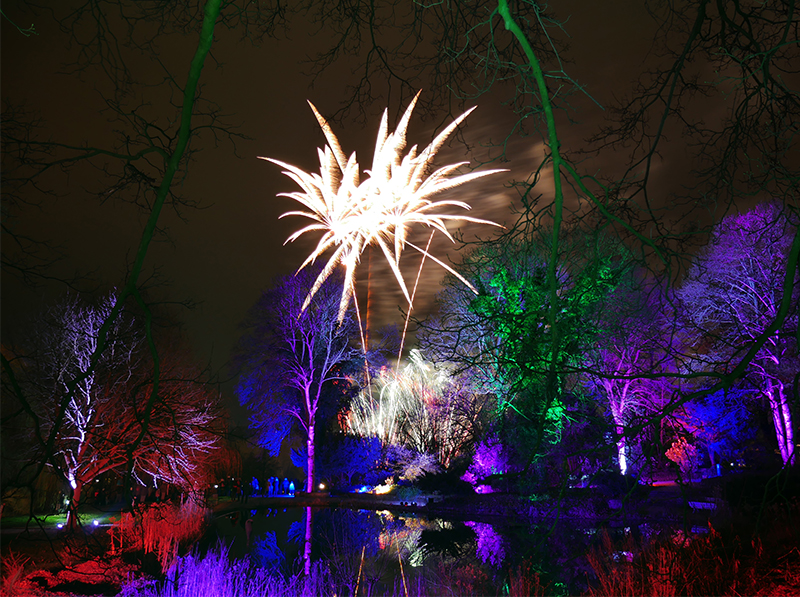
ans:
(321, 486)
(95, 522)
(216, 486)
(60, 525)
(382, 489)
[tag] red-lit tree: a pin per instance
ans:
(116, 416)
(732, 296)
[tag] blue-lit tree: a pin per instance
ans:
(293, 359)
(721, 423)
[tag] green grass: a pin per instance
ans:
(86, 514)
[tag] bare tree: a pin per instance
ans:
(155, 139)
(293, 358)
(632, 352)
(733, 295)
(105, 415)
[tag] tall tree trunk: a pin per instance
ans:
(72, 514)
(786, 414)
(310, 446)
(782, 420)
(622, 459)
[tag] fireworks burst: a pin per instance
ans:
(353, 214)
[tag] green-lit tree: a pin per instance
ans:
(504, 338)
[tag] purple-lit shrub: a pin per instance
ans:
(489, 459)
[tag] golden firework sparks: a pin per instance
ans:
(353, 214)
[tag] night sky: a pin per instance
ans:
(222, 255)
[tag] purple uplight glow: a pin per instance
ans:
(490, 545)
(488, 460)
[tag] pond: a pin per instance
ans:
(378, 550)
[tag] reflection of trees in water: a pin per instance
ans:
(340, 537)
(434, 553)
(266, 553)
(453, 539)
(490, 547)
(472, 555)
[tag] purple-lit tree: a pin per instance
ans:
(624, 366)
(293, 359)
(732, 295)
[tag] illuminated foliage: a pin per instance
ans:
(504, 336)
(489, 459)
(721, 423)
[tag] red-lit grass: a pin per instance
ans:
(524, 581)
(13, 568)
(162, 529)
(712, 564)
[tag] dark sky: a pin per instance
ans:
(222, 255)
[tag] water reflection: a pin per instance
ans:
(376, 550)
(266, 554)
(490, 544)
